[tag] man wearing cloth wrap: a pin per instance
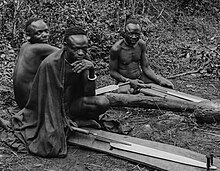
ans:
(59, 97)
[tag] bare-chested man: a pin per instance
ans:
(30, 56)
(128, 61)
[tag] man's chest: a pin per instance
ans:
(130, 55)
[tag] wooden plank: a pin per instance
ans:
(151, 92)
(155, 163)
(177, 92)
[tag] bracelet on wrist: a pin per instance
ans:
(92, 79)
(127, 80)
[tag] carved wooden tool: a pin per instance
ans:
(135, 148)
(98, 137)
(143, 150)
(105, 145)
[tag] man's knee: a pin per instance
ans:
(146, 80)
(99, 103)
(92, 107)
(102, 103)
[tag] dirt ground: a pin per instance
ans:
(175, 128)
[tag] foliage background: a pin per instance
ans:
(181, 35)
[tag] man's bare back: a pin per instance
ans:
(30, 56)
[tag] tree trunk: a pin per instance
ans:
(149, 102)
(205, 112)
(208, 112)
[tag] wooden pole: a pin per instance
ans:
(207, 111)
(149, 102)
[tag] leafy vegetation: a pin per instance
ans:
(182, 37)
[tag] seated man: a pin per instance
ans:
(30, 56)
(128, 61)
(63, 93)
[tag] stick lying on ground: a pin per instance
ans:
(191, 72)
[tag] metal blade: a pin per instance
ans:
(96, 136)
(183, 97)
(106, 89)
(109, 88)
(135, 148)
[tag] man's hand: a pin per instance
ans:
(85, 123)
(137, 83)
(79, 66)
(166, 83)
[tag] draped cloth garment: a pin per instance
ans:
(42, 124)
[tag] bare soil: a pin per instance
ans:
(175, 128)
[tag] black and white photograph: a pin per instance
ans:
(110, 85)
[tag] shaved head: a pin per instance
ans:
(28, 23)
(76, 30)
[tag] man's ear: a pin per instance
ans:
(64, 45)
(28, 36)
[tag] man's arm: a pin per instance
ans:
(149, 72)
(113, 66)
(43, 49)
(145, 66)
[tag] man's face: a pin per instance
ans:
(38, 31)
(76, 47)
(132, 33)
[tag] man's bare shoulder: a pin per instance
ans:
(41, 49)
(40, 46)
(142, 43)
(117, 46)
(25, 45)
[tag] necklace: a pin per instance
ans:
(68, 62)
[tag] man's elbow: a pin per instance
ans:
(111, 73)
(145, 68)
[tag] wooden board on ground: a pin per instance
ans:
(199, 99)
(151, 92)
(90, 142)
